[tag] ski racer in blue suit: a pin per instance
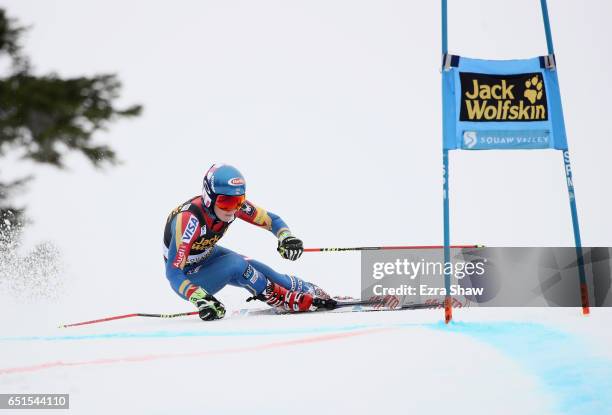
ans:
(197, 268)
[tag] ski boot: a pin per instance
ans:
(294, 301)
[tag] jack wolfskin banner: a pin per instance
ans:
(502, 105)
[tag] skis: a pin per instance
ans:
(349, 305)
(353, 303)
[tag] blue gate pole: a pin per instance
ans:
(448, 309)
(444, 27)
(448, 306)
(584, 291)
(549, 41)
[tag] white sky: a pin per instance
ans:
(330, 108)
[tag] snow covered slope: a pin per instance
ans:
(503, 361)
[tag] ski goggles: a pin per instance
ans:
(225, 202)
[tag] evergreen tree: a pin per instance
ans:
(44, 117)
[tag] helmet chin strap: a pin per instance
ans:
(208, 206)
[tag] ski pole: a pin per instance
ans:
(378, 248)
(100, 320)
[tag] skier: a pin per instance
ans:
(198, 268)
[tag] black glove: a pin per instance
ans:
(209, 307)
(290, 247)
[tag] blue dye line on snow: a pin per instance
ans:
(581, 383)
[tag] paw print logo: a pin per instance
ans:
(533, 91)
